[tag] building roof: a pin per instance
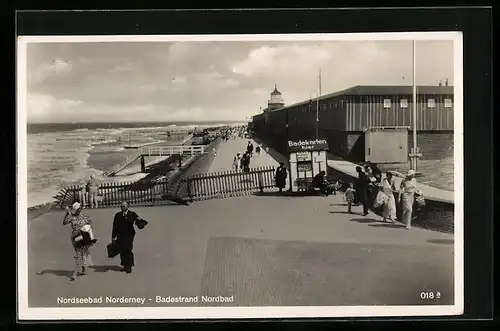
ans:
(380, 90)
(275, 90)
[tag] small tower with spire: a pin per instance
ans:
(276, 100)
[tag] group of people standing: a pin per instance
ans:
(370, 185)
(89, 192)
(123, 233)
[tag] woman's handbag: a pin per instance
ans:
(113, 249)
(380, 199)
(85, 237)
(419, 198)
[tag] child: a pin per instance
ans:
(349, 197)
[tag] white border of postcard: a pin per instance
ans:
(27, 313)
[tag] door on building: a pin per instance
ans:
(386, 145)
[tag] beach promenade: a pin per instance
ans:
(227, 151)
(266, 249)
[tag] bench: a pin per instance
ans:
(305, 184)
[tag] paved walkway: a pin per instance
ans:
(227, 151)
(263, 250)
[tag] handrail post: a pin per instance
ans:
(261, 185)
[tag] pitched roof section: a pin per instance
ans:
(275, 90)
(380, 90)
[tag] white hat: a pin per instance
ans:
(411, 172)
(75, 206)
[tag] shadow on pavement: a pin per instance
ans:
(364, 220)
(442, 241)
(273, 194)
(69, 273)
(387, 225)
(340, 212)
(59, 273)
(105, 268)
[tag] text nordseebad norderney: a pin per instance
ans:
(143, 300)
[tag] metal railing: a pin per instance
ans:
(170, 150)
(122, 165)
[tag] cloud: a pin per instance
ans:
(165, 81)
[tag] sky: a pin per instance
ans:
(210, 81)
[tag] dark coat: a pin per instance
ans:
(377, 173)
(123, 229)
(362, 182)
(250, 148)
(318, 181)
(281, 174)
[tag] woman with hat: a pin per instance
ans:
(78, 220)
(407, 196)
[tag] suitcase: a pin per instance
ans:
(113, 250)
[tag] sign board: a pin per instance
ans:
(303, 156)
(307, 145)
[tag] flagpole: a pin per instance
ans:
(317, 103)
(414, 154)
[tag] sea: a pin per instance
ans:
(61, 154)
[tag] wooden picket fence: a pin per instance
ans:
(227, 184)
(113, 193)
(196, 187)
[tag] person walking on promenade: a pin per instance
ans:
(245, 162)
(257, 150)
(93, 186)
(280, 177)
(349, 197)
(78, 220)
(362, 189)
(83, 192)
(389, 188)
(374, 171)
(236, 162)
(250, 148)
(407, 196)
(123, 234)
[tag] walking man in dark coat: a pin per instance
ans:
(362, 184)
(281, 174)
(123, 234)
(250, 148)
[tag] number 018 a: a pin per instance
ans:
(430, 295)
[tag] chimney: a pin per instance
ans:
(440, 84)
(446, 82)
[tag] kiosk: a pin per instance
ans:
(307, 157)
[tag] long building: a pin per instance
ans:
(344, 116)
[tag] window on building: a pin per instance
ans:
(447, 103)
(431, 103)
(403, 103)
(387, 103)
